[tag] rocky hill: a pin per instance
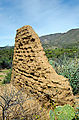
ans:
(68, 39)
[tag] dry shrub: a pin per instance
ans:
(21, 106)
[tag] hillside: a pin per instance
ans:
(59, 40)
(68, 39)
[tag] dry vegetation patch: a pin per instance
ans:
(28, 108)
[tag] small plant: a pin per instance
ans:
(65, 112)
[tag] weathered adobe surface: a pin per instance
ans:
(32, 71)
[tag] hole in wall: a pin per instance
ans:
(49, 86)
(39, 68)
(32, 51)
(31, 60)
(32, 40)
(18, 51)
(20, 44)
(29, 56)
(32, 74)
(20, 59)
(27, 51)
(25, 48)
(29, 47)
(23, 51)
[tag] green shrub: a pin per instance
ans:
(58, 52)
(7, 78)
(6, 56)
(5, 63)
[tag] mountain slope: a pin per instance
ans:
(69, 38)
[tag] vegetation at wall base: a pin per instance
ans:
(7, 78)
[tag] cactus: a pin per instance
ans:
(65, 112)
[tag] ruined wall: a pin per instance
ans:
(32, 71)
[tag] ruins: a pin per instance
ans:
(32, 71)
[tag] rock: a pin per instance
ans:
(32, 71)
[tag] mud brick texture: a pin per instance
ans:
(32, 71)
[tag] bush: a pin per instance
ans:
(7, 78)
(6, 56)
(11, 102)
(59, 52)
(5, 63)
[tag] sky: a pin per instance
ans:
(45, 16)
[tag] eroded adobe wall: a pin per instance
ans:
(32, 71)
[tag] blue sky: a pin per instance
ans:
(45, 16)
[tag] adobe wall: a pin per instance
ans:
(32, 71)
